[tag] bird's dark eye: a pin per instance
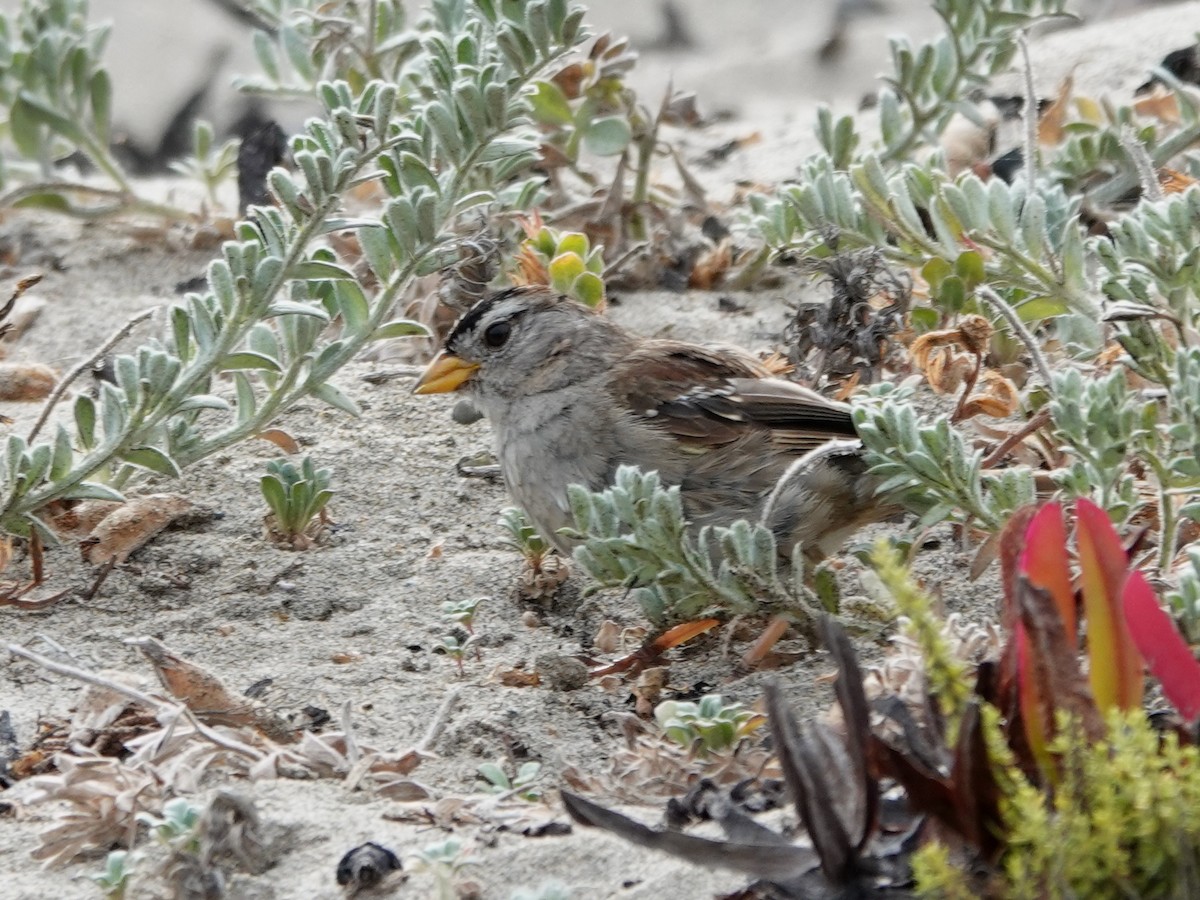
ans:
(496, 334)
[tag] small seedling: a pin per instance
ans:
(462, 612)
(455, 647)
(545, 570)
(445, 861)
(209, 164)
(521, 785)
(712, 725)
(177, 827)
(297, 499)
(114, 880)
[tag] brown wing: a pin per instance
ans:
(708, 396)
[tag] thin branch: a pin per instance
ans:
(1036, 421)
(1136, 151)
(440, 718)
(159, 706)
(1031, 114)
(353, 753)
(1123, 182)
(1014, 322)
(61, 388)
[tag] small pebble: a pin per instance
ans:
(561, 673)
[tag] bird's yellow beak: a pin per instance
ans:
(445, 374)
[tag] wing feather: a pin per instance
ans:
(709, 396)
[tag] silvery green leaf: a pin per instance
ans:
(571, 26)
(353, 305)
(383, 106)
(26, 130)
(113, 411)
(247, 403)
(49, 537)
(607, 135)
(153, 459)
(427, 218)
(891, 123)
(47, 115)
(468, 99)
(472, 200)
(64, 454)
(400, 328)
(335, 398)
(100, 88)
(292, 308)
(262, 339)
(378, 251)
(85, 421)
(1033, 222)
(496, 98)
(307, 162)
(441, 120)
(537, 26)
(347, 125)
(128, 376)
(1000, 210)
(414, 171)
(93, 490)
(264, 51)
(401, 217)
(220, 279)
(296, 48)
(248, 359)
(507, 41)
(204, 401)
(36, 464)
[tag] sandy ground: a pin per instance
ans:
(357, 620)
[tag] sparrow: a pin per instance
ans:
(571, 396)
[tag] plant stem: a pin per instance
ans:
(61, 388)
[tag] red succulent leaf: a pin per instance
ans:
(1115, 670)
(1013, 543)
(1044, 561)
(1053, 668)
(1166, 653)
(973, 786)
(1032, 706)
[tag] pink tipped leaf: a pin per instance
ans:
(1115, 666)
(1029, 696)
(1166, 653)
(1045, 563)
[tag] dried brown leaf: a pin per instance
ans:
(1051, 127)
(77, 519)
(712, 265)
(1158, 103)
(1173, 181)
(998, 397)
(515, 677)
(101, 798)
(26, 382)
(280, 439)
(206, 695)
(131, 526)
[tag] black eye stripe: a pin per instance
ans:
(473, 317)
